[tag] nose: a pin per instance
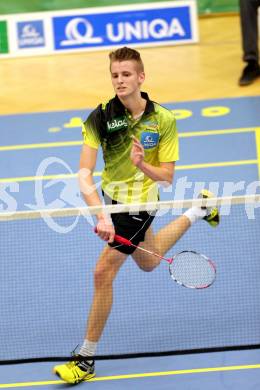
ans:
(120, 79)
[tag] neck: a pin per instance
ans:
(135, 105)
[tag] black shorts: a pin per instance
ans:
(130, 226)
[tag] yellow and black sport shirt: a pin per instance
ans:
(111, 125)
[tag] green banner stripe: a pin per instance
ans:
(3, 37)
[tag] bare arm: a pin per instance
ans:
(164, 173)
(88, 159)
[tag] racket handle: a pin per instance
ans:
(122, 240)
(119, 239)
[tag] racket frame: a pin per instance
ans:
(202, 256)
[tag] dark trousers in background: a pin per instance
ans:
(249, 29)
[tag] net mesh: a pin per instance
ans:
(46, 289)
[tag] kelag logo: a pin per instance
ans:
(30, 34)
(121, 28)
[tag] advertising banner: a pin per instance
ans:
(169, 25)
(164, 23)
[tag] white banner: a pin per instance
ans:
(165, 23)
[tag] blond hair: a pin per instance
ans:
(126, 54)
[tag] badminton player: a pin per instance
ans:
(139, 141)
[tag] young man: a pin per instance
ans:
(140, 146)
(249, 29)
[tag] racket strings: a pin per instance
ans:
(192, 270)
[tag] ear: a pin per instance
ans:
(141, 77)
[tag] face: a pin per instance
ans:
(126, 78)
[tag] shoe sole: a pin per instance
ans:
(249, 82)
(89, 376)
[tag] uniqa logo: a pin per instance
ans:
(77, 37)
(149, 139)
(30, 34)
(29, 31)
(116, 124)
(157, 29)
(149, 142)
(80, 31)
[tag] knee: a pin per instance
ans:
(148, 267)
(103, 277)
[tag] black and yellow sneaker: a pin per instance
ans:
(75, 371)
(212, 216)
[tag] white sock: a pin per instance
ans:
(88, 349)
(195, 213)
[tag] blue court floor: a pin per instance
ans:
(219, 149)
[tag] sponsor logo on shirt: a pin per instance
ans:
(117, 124)
(149, 140)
